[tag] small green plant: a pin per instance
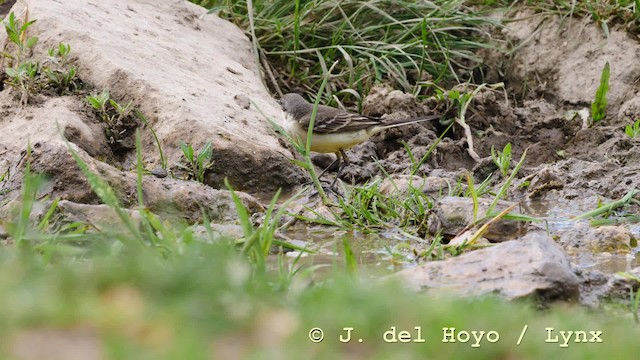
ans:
(116, 117)
(607, 208)
(111, 115)
(633, 130)
(99, 102)
(62, 80)
(502, 159)
(23, 77)
(61, 77)
(6, 175)
(122, 111)
(198, 163)
(60, 54)
(599, 105)
(17, 34)
(502, 192)
(635, 304)
(30, 77)
(462, 101)
(350, 261)
(634, 296)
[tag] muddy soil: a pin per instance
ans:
(570, 167)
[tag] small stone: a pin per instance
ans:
(243, 101)
(465, 238)
(610, 239)
(454, 214)
(159, 172)
(324, 161)
(400, 185)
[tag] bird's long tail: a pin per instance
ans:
(414, 120)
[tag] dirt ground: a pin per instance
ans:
(552, 76)
(570, 167)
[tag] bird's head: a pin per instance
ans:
(295, 105)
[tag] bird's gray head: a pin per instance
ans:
(295, 105)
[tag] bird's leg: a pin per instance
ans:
(345, 160)
(337, 160)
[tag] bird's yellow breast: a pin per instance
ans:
(325, 143)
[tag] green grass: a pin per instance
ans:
(603, 12)
(205, 301)
(411, 45)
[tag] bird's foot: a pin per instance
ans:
(328, 190)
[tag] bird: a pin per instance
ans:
(334, 130)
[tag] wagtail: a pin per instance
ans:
(334, 130)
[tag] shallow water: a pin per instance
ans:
(387, 251)
(558, 218)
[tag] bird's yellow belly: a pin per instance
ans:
(327, 143)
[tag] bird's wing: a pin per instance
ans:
(342, 121)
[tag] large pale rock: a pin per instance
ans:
(533, 266)
(191, 74)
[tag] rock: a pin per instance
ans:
(167, 197)
(611, 239)
(587, 181)
(170, 81)
(543, 181)
(11, 210)
(243, 101)
(579, 236)
(453, 214)
(533, 266)
(466, 237)
(102, 217)
(5, 6)
(383, 100)
(399, 185)
(323, 161)
(186, 200)
(597, 287)
(159, 172)
(219, 232)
